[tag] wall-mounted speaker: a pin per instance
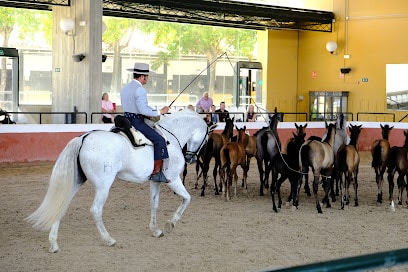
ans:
(78, 58)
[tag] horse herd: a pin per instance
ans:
(333, 159)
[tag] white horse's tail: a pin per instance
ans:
(65, 181)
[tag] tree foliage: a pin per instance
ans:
(211, 41)
(116, 37)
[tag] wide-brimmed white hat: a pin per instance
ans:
(141, 68)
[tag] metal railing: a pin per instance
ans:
(82, 117)
(376, 113)
(329, 116)
(70, 117)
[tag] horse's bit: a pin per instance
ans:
(189, 156)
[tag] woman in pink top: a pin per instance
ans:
(107, 109)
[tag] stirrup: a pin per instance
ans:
(159, 177)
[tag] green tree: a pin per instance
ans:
(117, 36)
(26, 22)
(186, 39)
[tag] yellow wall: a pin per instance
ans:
(377, 35)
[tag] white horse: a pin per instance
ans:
(101, 156)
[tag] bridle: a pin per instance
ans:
(189, 155)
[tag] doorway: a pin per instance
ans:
(8, 78)
(247, 83)
(326, 105)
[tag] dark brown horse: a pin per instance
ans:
(347, 162)
(200, 159)
(233, 154)
(287, 165)
(379, 151)
(320, 157)
(398, 162)
(249, 143)
(214, 144)
(268, 147)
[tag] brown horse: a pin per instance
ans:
(379, 151)
(249, 143)
(398, 162)
(214, 144)
(233, 154)
(347, 162)
(320, 157)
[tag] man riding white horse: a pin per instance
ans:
(134, 104)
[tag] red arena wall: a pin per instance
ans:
(30, 143)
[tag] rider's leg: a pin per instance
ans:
(159, 146)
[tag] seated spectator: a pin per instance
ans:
(222, 113)
(250, 114)
(204, 103)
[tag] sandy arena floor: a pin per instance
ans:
(213, 235)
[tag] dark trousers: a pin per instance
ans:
(159, 143)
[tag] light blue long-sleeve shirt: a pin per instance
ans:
(134, 99)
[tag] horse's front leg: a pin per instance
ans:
(180, 190)
(154, 205)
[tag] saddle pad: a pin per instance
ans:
(140, 139)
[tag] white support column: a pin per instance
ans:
(77, 83)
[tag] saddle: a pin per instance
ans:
(124, 127)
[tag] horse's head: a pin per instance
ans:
(328, 136)
(355, 130)
(197, 141)
(340, 121)
(229, 127)
(273, 122)
(241, 134)
(386, 130)
(300, 129)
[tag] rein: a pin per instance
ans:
(286, 164)
(181, 148)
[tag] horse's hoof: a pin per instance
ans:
(168, 228)
(110, 242)
(392, 207)
(158, 234)
(54, 248)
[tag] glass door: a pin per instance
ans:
(326, 105)
(247, 83)
(8, 78)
